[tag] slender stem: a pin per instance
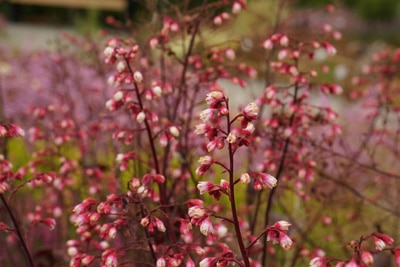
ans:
(186, 63)
(257, 238)
(267, 82)
(278, 174)
(18, 231)
(270, 198)
(3, 142)
(161, 187)
(236, 224)
(153, 254)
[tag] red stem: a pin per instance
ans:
(161, 187)
(18, 231)
(232, 199)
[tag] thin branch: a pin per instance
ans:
(18, 231)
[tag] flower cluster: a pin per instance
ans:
(362, 257)
(115, 149)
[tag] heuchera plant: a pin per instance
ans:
(139, 154)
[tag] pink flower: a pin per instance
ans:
(250, 111)
(161, 262)
(206, 262)
(189, 262)
(208, 187)
(245, 178)
(273, 237)
(207, 114)
(267, 44)
(202, 128)
(196, 212)
(144, 221)
(206, 227)
(205, 163)
(50, 222)
(217, 143)
(317, 262)
(109, 51)
(4, 186)
(263, 179)
(385, 238)
(3, 131)
(138, 77)
(367, 258)
(285, 241)
(109, 258)
(381, 240)
(140, 117)
(217, 21)
(352, 263)
(232, 138)
(284, 40)
(159, 225)
(87, 259)
(84, 206)
(397, 256)
(330, 49)
(111, 261)
(206, 160)
(236, 8)
(230, 53)
(282, 225)
(214, 98)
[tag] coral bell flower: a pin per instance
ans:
(196, 212)
(263, 179)
(207, 114)
(367, 258)
(282, 225)
(207, 262)
(206, 227)
(214, 98)
(208, 187)
(205, 163)
(285, 241)
(397, 256)
(317, 262)
(381, 240)
(250, 111)
(202, 128)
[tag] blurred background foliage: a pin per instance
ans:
(369, 10)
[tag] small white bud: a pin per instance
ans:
(174, 131)
(111, 81)
(140, 117)
(157, 90)
(108, 52)
(232, 138)
(138, 77)
(121, 66)
(109, 105)
(245, 178)
(118, 96)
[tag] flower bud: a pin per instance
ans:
(141, 116)
(118, 96)
(121, 66)
(245, 178)
(109, 51)
(138, 77)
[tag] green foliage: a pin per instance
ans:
(376, 10)
(313, 3)
(18, 153)
(88, 22)
(370, 10)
